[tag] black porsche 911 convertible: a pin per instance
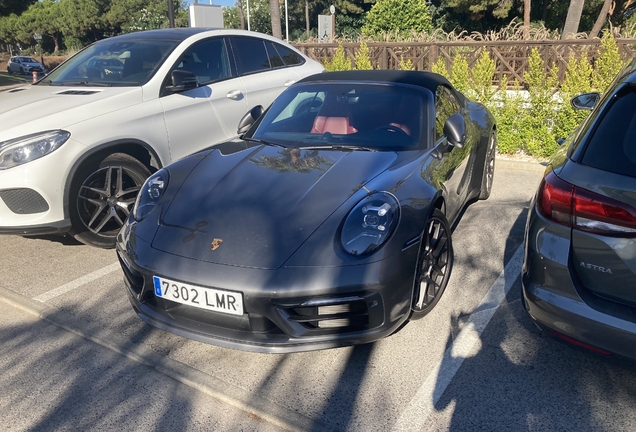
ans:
(326, 223)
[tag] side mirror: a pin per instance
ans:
(585, 101)
(249, 119)
(182, 80)
(455, 130)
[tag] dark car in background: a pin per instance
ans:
(579, 273)
(24, 65)
(104, 68)
(327, 223)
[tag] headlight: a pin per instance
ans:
(27, 148)
(150, 194)
(370, 223)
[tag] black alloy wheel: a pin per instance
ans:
(489, 167)
(434, 265)
(103, 197)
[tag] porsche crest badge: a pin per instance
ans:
(216, 243)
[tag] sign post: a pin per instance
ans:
(327, 26)
(332, 10)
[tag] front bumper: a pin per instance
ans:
(556, 301)
(32, 194)
(289, 309)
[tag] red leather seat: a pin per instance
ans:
(334, 125)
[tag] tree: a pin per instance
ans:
(602, 16)
(8, 7)
(259, 16)
(401, 17)
(51, 24)
(239, 5)
(7, 31)
(573, 18)
(82, 17)
(274, 7)
(479, 8)
(44, 17)
(526, 19)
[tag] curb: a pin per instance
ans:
(520, 165)
(207, 384)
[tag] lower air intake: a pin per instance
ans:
(349, 315)
(24, 201)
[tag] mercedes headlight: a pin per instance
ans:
(150, 194)
(370, 223)
(30, 147)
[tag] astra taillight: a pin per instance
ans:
(580, 208)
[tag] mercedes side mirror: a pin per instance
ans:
(182, 80)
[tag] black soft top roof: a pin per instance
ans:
(427, 80)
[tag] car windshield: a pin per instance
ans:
(127, 63)
(377, 116)
(27, 59)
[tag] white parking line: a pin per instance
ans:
(77, 283)
(415, 415)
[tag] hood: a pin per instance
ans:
(36, 108)
(261, 203)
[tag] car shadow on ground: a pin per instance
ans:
(53, 380)
(522, 379)
(63, 239)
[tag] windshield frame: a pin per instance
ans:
(369, 139)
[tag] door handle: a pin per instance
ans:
(234, 94)
(289, 82)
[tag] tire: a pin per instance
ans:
(434, 265)
(9, 71)
(21, 71)
(489, 167)
(99, 204)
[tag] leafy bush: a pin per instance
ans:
(509, 121)
(406, 65)
(363, 62)
(538, 140)
(339, 62)
(439, 67)
(578, 79)
(481, 80)
(459, 76)
(608, 64)
(398, 17)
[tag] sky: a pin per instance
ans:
(216, 2)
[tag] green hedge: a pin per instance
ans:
(529, 120)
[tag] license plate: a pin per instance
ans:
(229, 302)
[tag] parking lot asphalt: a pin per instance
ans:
(55, 380)
(476, 362)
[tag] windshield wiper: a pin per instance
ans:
(260, 141)
(345, 147)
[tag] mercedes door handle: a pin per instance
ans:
(234, 94)
(289, 82)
